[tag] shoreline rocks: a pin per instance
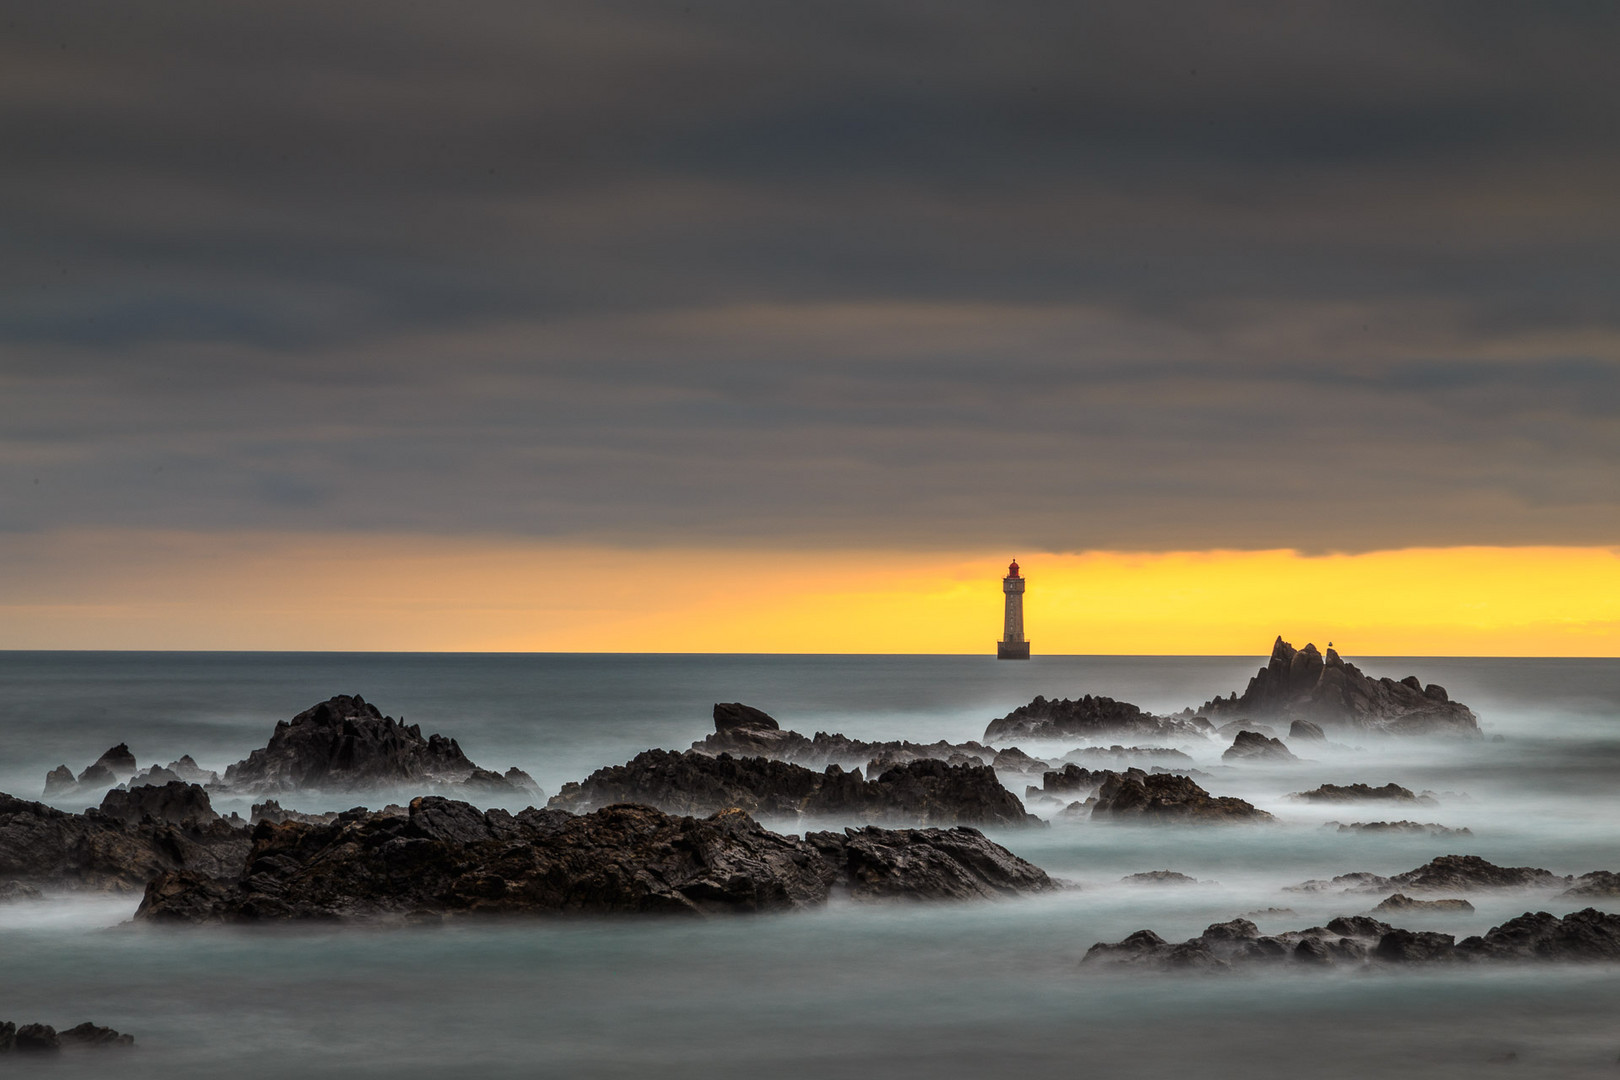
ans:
(920, 792)
(1253, 746)
(449, 858)
(744, 731)
(1089, 717)
(1169, 798)
(1325, 692)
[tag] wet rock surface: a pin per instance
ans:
(1164, 797)
(920, 792)
(1087, 717)
(1326, 691)
(1360, 941)
(42, 847)
(448, 857)
(1337, 793)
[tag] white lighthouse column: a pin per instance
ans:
(1013, 646)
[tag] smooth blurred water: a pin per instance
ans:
(901, 991)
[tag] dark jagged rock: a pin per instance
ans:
(93, 1036)
(1162, 797)
(743, 731)
(270, 810)
(155, 776)
(60, 782)
(118, 761)
(1072, 780)
(1579, 936)
(1599, 884)
(1014, 760)
(189, 771)
(1427, 828)
(927, 864)
(1358, 882)
(1336, 793)
(1086, 717)
(1304, 729)
(176, 802)
(43, 1038)
(1303, 684)
(1253, 746)
(346, 744)
(1158, 877)
(1462, 872)
(448, 857)
(43, 846)
(925, 792)
(1400, 903)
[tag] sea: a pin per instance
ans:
(903, 990)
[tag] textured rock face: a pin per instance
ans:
(43, 846)
(1358, 941)
(176, 802)
(448, 857)
(1163, 797)
(1303, 684)
(345, 744)
(1599, 884)
(743, 731)
(1086, 717)
(922, 792)
(1253, 746)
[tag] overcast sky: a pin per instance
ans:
(914, 275)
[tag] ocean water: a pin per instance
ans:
(904, 990)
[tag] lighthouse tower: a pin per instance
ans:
(1014, 647)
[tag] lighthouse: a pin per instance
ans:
(1013, 646)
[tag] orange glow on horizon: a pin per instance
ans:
(360, 592)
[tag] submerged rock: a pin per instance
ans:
(1327, 692)
(1448, 873)
(1253, 746)
(1086, 717)
(923, 792)
(1158, 877)
(448, 857)
(1427, 828)
(1399, 903)
(1335, 793)
(743, 731)
(1168, 798)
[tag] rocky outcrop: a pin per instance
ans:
(1306, 731)
(1170, 799)
(41, 846)
(1324, 690)
(112, 767)
(1599, 884)
(449, 858)
(1253, 746)
(1359, 941)
(44, 1039)
(1087, 717)
(743, 731)
(922, 792)
(1426, 828)
(1448, 873)
(177, 803)
(345, 744)
(1158, 877)
(1335, 793)
(1400, 904)
(270, 810)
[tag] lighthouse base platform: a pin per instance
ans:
(1012, 650)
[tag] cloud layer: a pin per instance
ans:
(1049, 276)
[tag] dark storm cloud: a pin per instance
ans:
(1054, 275)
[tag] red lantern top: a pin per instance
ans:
(1012, 571)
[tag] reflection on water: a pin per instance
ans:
(900, 991)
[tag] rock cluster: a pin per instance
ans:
(1448, 873)
(1427, 828)
(42, 1038)
(1360, 941)
(1327, 692)
(1337, 793)
(447, 858)
(744, 731)
(1168, 799)
(1091, 718)
(921, 792)
(1253, 746)
(1399, 903)
(113, 767)
(118, 850)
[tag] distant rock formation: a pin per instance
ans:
(1336, 793)
(44, 1039)
(174, 803)
(120, 850)
(1400, 903)
(1599, 884)
(447, 858)
(1168, 798)
(345, 744)
(1253, 746)
(744, 731)
(112, 767)
(1359, 941)
(1090, 718)
(919, 792)
(1158, 877)
(1303, 684)
(1427, 828)
(1448, 873)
